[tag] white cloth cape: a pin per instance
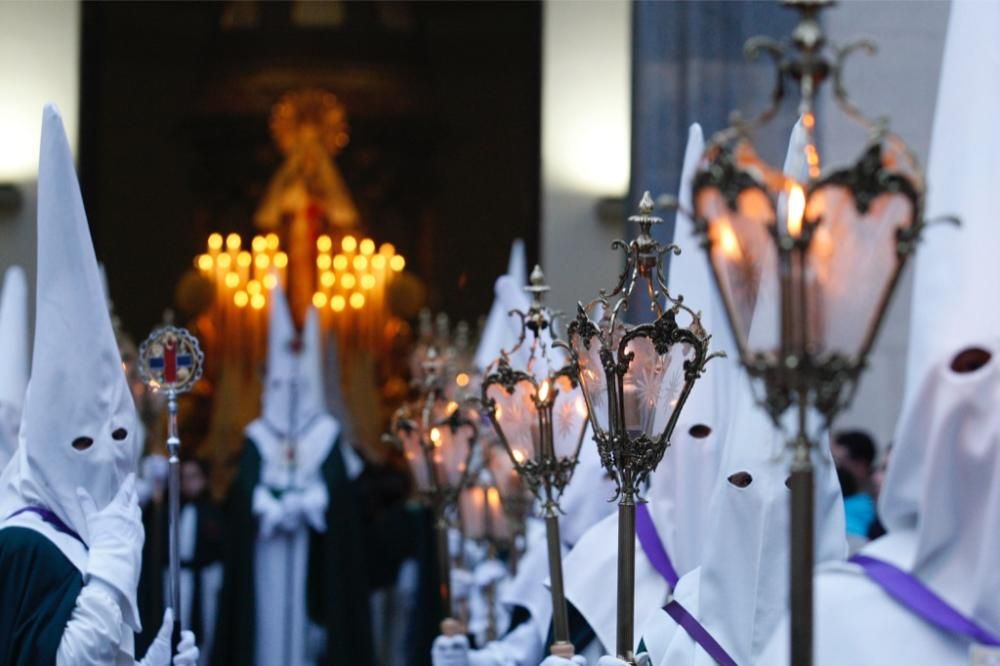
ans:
(496, 336)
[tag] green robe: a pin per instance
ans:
(38, 591)
(337, 585)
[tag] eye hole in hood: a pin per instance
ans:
(740, 479)
(83, 443)
(700, 431)
(119, 434)
(970, 360)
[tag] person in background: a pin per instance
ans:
(877, 529)
(854, 454)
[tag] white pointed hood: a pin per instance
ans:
(293, 404)
(496, 336)
(80, 424)
(13, 358)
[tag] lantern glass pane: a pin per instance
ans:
(652, 386)
(592, 378)
(501, 468)
(518, 418)
(569, 417)
(852, 259)
(744, 257)
(482, 514)
(410, 439)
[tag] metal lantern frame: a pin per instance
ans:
(628, 457)
(800, 373)
(419, 417)
(546, 474)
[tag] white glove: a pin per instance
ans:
(116, 537)
(450, 651)
(268, 510)
(641, 659)
(292, 510)
(158, 653)
(461, 583)
(578, 660)
(315, 500)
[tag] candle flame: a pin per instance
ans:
(518, 456)
(581, 407)
(462, 379)
(493, 498)
(435, 437)
(726, 238)
(796, 209)
(543, 391)
(452, 407)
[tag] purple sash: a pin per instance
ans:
(656, 553)
(652, 545)
(700, 635)
(907, 589)
(52, 519)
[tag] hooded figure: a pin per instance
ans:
(294, 565)
(940, 501)
(740, 590)
(496, 333)
(71, 535)
(13, 358)
(681, 487)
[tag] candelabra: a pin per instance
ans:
(541, 418)
(636, 378)
(806, 264)
(438, 438)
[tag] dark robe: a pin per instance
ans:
(337, 585)
(38, 591)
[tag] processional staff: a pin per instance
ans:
(170, 362)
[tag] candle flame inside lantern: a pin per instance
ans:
(518, 456)
(543, 391)
(435, 437)
(726, 238)
(796, 209)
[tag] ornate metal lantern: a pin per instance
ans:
(438, 438)
(540, 417)
(636, 378)
(826, 249)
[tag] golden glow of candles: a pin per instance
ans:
(340, 262)
(215, 242)
(319, 299)
(796, 209)
(347, 280)
(367, 281)
(323, 262)
(243, 259)
(581, 406)
(462, 379)
(367, 247)
(232, 280)
(435, 437)
(357, 300)
(259, 244)
(518, 455)
(241, 299)
(253, 287)
(452, 407)
(378, 262)
(360, 263)
(224, 261)
(272, 241)
(397, 263)
(280, 259)
(262, 261)
(349, 243)
(257, 301)
(270, 281)
(387, 249)
(327, 279)
(324, 243)
(205, 262)
(493, 498)
(337, 303)
(233, 242)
